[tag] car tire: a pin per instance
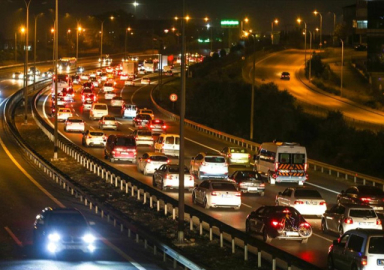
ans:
(330, 264)
(324, 228)
(163, 188)
(205, 203)
(266, 237)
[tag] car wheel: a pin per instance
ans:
(266, 237)
(341, 230)
(205, 203)
(323, 226)
(194, 198)
(330, 265)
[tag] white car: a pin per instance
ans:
(143, 136)
(129, 111)
(306, 200)
(18, 75)
(217, 193)
(150, 161)
(108, 87)
(98, 110)
(117, 102)
(63, 114)
(206, 165)
(123, 76)
(109, 95)
(74, 124)
(145, 80)
(108, 122)
(94, 138)
(84, 77)
(167, 177)
(129, 82)
(168, 144)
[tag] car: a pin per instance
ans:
(141, 120)
(129, 111)
(98, 72)
(150, 161)
(167, 177)
(168, 144)
(217, 193)
(63, 229)
(236, 155)
(285, 76)
(34, 71)
(120, 147)
(142, 71)
(17, 75)
(306, 200)
(129, 82)
(108, 122)
(109, 69)
(361, 249)
(209, 165)
(88, 97)
(63, 114)
(248, 181)
(109, 95)
(60, 101)
(76, 79)
(108, 87)
(344, 217)
(94, 81)
(87, 104)
(103, 76)
(278, 222)
(131, 76)
(143, 136)
(359, 194)
(157, 126)
(84, 77)
(147, 111)
(46, 75)
(168, 73)
(93, 138)
(80, 69)
(88, 85)
(98, 110)
(74, 124)
(361, 47)
(123, 76)
(117, 102)
(145, 80)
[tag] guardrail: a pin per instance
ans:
(313, 164)
(162, 202)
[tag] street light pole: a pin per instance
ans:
(321, 27)
(125, 44)
(16, 46)
(34, 52)
(77, 42)
(305, 41)
(253, 87)
(276, 22)
(342, 67)
(27, 3)
(56, 50)
(101, 39)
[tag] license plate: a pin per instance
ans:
(71, 247)
(124, 153)
(362, 223)
(252, 188)
(292, 233)
(380, 261)
(226, 196)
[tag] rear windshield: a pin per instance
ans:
(159, 158)
(101, 107)
(124, 141)
(96, 133)
(215, 159)
(238, 150)
(363, 213)
(75, 120)
(145, 116)
(307, 193)
(144, 133)
(109, 118)
(158, 122)
(251, 175)
(224, 186)
(171, 140)
(175, 169)
(289, 158)
(146, 111)
(117, 98)
(376, 245)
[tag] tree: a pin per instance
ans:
(341, 31)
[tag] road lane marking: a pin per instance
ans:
(247, 205)
(322, 237)
(14, 237)
(330, 190)
(138, 89)
(202, 145)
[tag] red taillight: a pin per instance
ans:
(305, 167)
(323, 203)
(276, 166)
(348, 221)
(148, 160)
(213, 193)
(169, 176)
(298, 202)
(275, 223)
(238, 194)
(364, 260)
(249, 155)
(262, 185)
(365, 199)
(164, 127)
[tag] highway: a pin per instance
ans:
(26, 191)
(315, 251)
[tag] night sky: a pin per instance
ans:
(260, 12)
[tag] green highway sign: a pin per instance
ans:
(229, 24)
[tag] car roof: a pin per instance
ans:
(151, 154)
(354, 205)
(368, 232)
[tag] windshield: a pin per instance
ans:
(124, 141)
(215, 159)
(175, 169)
(307, 193)
(363, 213)
(224, 186)
(100, 107)
(67, 219)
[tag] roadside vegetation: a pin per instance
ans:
(218, 97)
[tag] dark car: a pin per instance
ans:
(121, 147)
(142, 120)
(63, 229)
(248, 181)
(360, 47)
(285, 76)
(278, 222)
(360, 194)
(88, 85)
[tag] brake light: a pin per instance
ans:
(262, 185)
(213, 193)
(148, 160)
(378, 222)
(275, 223)
(323, 203)
(305, 166)
(298, 202)
(238, 194)
(348, 221)
(365, 199)
(249, 155)
(164, 127)
(276, 166)
(169, 176)
(364, 260)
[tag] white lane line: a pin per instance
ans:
(14, 237)
(202, 145)
(138, 89)
(330, 190)
(120, 123)
(322, 237)
(91, 127)
(247, 205)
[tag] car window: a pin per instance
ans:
(100, 107)
(307, 193)
(355, 243)
(215, 159)
(287, 192)
(175, 169)
(365, 213)
(224, 186)
(351, 190)
(75, 120)
(248, 175)
(109, 118)
(94, 133)
(124, 141)
(144, 133)
(376, 245)
(159, 158)
(170, 140)
(204, 185)
(367, 190)
(66, 219)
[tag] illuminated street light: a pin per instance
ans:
(321, 27)
(27, 3)
(135, 4)
(206, 19)
(125, 44)
(78, 29)
(34, 51)
(276, 21)
(305, 41)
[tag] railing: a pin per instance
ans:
(162, 202)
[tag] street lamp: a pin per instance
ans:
(34, 52)
(305, 41)
(135, 4)
(253, 86)
(246, 20)
(321, 27)
(310, 48)
(334, 26)
(342, 67)
(125, 45)
(56, 50)
(276, 21)
(27, 3)
(78, 29)
(211, 38)
(101, 36)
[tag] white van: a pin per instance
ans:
(282, 162)
(168, 144)
(98, 110)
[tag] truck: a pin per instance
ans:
(151, 65)
(130, 67)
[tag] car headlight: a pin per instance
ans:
(88, 238)
(54, 237)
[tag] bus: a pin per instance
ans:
(66, 64)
